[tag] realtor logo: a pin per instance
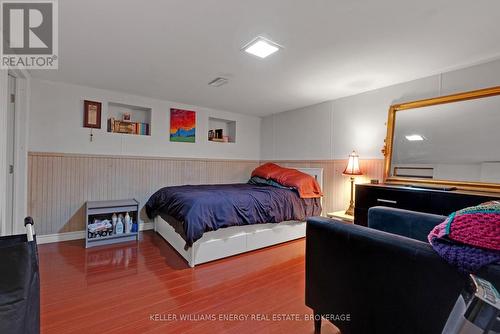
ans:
(29, 34)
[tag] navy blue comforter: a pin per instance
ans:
(203, 208)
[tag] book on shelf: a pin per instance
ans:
(143, 129)
(119, 126)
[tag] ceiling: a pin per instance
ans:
(171, 49)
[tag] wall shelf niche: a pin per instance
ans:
(138, 122)
(221, 130)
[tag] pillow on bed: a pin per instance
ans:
(266, 170)
(306, 185)
(259, 181)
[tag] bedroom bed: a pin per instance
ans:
(196, 220)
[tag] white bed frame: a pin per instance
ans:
(236, 239)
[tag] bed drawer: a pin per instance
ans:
(254, 237)
(231, 240)
(219, 248)
(277, 234)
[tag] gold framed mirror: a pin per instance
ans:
(451, 141)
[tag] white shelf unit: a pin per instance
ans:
(138, 114)
(105, 210)
(228, 128)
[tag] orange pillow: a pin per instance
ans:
(306, 185)
(266, 170)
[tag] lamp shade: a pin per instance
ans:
(353, 165)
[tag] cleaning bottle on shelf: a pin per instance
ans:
(128, 223)
(119, 225)
(114, 219)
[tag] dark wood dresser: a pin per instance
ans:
(416, 199)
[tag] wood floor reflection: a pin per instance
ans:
(146, 287)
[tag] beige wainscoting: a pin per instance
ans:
(60, 184)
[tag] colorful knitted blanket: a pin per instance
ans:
(469, 238)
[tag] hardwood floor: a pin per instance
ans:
(147, 287)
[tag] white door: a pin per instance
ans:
(11, 110)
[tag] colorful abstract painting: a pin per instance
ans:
(182, 125)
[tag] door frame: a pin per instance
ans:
(10, 149)
(20, 187)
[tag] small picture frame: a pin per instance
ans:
(91, 114)
(126, 117)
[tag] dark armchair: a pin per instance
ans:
(381, 279)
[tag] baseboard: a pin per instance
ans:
(146, 226)
(58, 237)
(66, 236)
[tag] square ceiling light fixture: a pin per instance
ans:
(261, 47)
(414, 138)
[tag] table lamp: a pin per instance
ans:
(352, 170)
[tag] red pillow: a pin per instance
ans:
(266, 170)
(306, 185)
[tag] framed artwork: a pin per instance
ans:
(182, 126)
(91, 114)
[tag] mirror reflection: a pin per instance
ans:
(457, 141)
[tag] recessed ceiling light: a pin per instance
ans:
(261, 47)
(414, 138)
(217, 82)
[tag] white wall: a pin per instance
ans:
(56, 125)
(459, 172)
(331, 130)
(490, 172)
(474, 172)
(297, 135)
